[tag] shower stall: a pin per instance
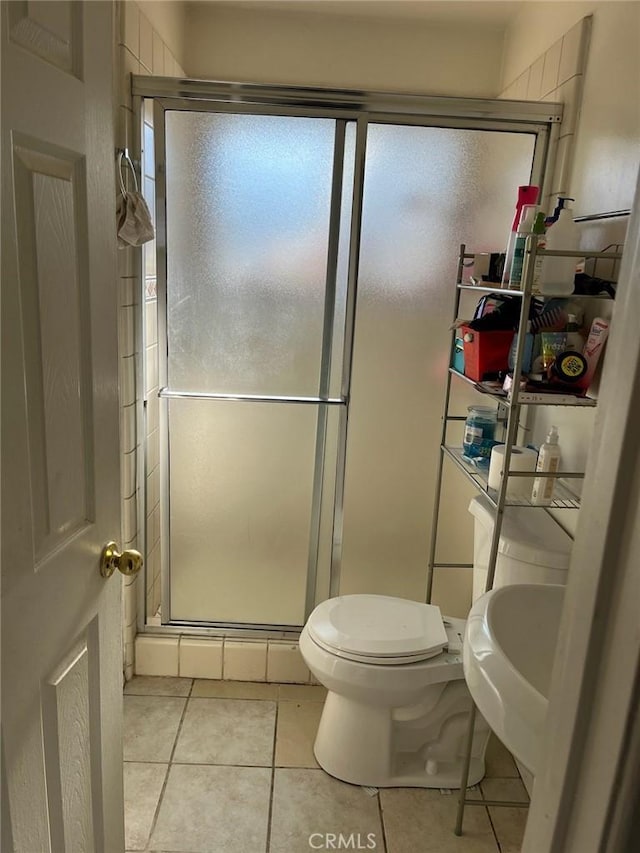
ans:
(298, 295)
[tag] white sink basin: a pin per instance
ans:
(509, 647)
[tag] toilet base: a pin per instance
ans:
(417, 747)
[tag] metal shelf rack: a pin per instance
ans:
(564, 497)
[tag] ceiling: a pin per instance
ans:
(486, 14)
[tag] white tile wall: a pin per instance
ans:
(156, 655)
(245, 660)
(558, 76)
(534, 87)
(140, 50)
(158, 55)
(146, 43)
(200, 658)
(215, 658)
(551, 69)
(572, 55)
(285, 663)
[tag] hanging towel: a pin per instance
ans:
(133, 219)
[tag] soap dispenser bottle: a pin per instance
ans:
(558, 274)
(548, 462)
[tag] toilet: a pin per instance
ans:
(532, 547)
(397, 704)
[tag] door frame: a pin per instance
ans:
(541, 120)
(586, 793)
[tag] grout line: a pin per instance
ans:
(273, 776)
(166, 778)
(384, 835)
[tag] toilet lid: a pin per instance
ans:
(378, 626)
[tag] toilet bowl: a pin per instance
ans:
(397, 705)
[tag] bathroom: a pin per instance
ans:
(387, 508)
(293, 503)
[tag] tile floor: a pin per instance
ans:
(228, 767)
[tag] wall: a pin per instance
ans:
(140, 50)
(310, 49)
(603, 165)
(168, 21)
(593, 67)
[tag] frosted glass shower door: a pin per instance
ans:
(249, 213)
(426, 190)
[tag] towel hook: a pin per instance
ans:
(124, 158)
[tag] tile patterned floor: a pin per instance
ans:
(228, 767)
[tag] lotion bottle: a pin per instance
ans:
(575, 338)
(548, 462)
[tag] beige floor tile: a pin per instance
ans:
(297, 728)
(509, 824)
(227, 731)
(209, 689)
(423, 819)
(157, 685)
(303, 692)
(498, 760)
(142, 788)
(150, 726)
(310, 801)
(213, 810)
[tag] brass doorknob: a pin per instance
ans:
(129, 562)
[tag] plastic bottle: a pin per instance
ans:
(557, 275)
(575, 338)
(540, 230)
(479, 432)
(548, 462)
(556, 211)
(527, 194)
(525, 228)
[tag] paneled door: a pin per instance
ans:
(61, 647)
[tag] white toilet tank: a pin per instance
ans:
(532, 548)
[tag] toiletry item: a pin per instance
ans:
(557, 275)
(548, 463)
(556, 212)
(479, 431)
(539, 230)
(528, 350)
(575, 338)
(522, 459)
(593, 348)
(527, 194)
(525, 228)
(553, 343)
(569, 366)
(553, 317)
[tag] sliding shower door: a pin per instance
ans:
(306, 260)
(255, 297)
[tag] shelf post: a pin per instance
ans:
(443, 435)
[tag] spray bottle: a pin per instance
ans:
(525, 228)
(527, 194)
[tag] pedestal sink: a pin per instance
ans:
(509, 647)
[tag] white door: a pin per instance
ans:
(61, 646)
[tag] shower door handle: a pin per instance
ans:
(129, 562)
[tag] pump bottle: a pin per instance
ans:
(548, 462)
(557, 275)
